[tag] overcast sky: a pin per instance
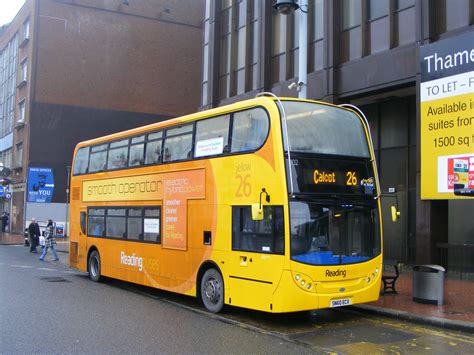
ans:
(8, 10)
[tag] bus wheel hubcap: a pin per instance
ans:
(212, 290)
(94, 267)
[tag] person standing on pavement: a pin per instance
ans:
(49, 241)
(34, 231)
(4, 221)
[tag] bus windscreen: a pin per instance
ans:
(323, 129)
(334, 233)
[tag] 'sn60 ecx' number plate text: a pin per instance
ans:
(340, 302)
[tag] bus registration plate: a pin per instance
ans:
(340, 302)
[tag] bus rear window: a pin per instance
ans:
(81, 162)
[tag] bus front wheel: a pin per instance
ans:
(212, 291)
(94, 266)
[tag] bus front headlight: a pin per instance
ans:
(304, 282)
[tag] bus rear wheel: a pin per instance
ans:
(212, 291)
(94, 266)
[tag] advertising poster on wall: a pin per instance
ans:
(40, 184)
(447, 116)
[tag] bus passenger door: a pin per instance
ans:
(256, 261)
(78, 235)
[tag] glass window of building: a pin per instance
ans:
(26, 30)
(21, 111)
(19, 155)
(403, 4)
(238, 53)
(205, 51)
(351, 13)
(285, 43)
(7, 157)
(316, 52)
(450, 17)
(8, 85)
(24, 70)
(225, 50)
(316, 19)
(377, 9)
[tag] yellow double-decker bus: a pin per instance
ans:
(269, 204)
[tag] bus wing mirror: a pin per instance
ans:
(257, 212)
(395, 214)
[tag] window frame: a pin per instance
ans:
(167, 138)
(25, 30)
(120, 147)
(19, 155)
(21, 111)
(105, 216)
(226, 152)
(273, 235)
(23, 72)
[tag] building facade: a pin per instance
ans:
(363, 52)
(71, 70)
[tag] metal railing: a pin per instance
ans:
(457, 259)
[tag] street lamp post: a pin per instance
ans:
(66, 223)
(285, 7)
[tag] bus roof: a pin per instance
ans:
(260, 100)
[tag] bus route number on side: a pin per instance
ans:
(242, 175)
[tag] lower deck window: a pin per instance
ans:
(265, 236)
(136, 224)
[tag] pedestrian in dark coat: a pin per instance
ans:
(4, 221)
(49, 241)
(34, 231)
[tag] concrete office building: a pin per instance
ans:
(72, 70)
(363, 52)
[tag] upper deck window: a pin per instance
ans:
(118, 155)
(178, 143)
(324, 129)
(137, 147)
(153, 148)
(235, 132)
(98, 158)
(212, 136)
(250, 129)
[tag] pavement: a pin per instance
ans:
(456, 313)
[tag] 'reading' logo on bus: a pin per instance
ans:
(338, 272)
(131, 260)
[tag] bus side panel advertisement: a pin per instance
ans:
(174, 189)
(447, 116)
(179, 188)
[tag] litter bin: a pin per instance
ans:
(428, 284)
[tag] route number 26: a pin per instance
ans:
(351, 178)
(244, 189)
